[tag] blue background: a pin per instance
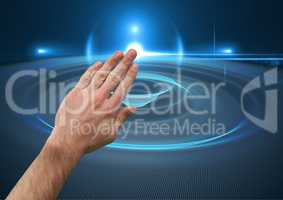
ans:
(250, 168)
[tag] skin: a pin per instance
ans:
(87, 119)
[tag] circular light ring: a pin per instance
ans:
(76, 63)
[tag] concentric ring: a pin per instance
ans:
(69, 69)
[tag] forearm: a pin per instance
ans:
(97, 122)
(47, 174)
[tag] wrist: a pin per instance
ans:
(61, 150)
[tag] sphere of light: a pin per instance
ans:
(136, 46)
(134, 29)
(227, 51)
(41, 51)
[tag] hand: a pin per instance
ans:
(90, 115)
(87, 119)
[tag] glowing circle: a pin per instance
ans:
(68, 70)
(41, 51)
(134, 29)
(227, 51)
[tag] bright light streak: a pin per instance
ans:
(138, 47)
(227, 51)
(134, 29)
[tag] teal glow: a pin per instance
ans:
(175, 146)
(41, 51)
(135, 29)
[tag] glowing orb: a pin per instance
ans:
(41, 51)
(134, 29)
(138, 47)
(227, 51)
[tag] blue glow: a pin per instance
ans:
(231, 134)
(180, 50)
(172, 146)
(135, 29)
(89, 49)
(177, 146)
(227, 51)
(41, 51)
(138, 44)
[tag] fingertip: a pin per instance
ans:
(115, 58)
(119, 54)
(132, 53)
(98, 63)
(95, 67)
